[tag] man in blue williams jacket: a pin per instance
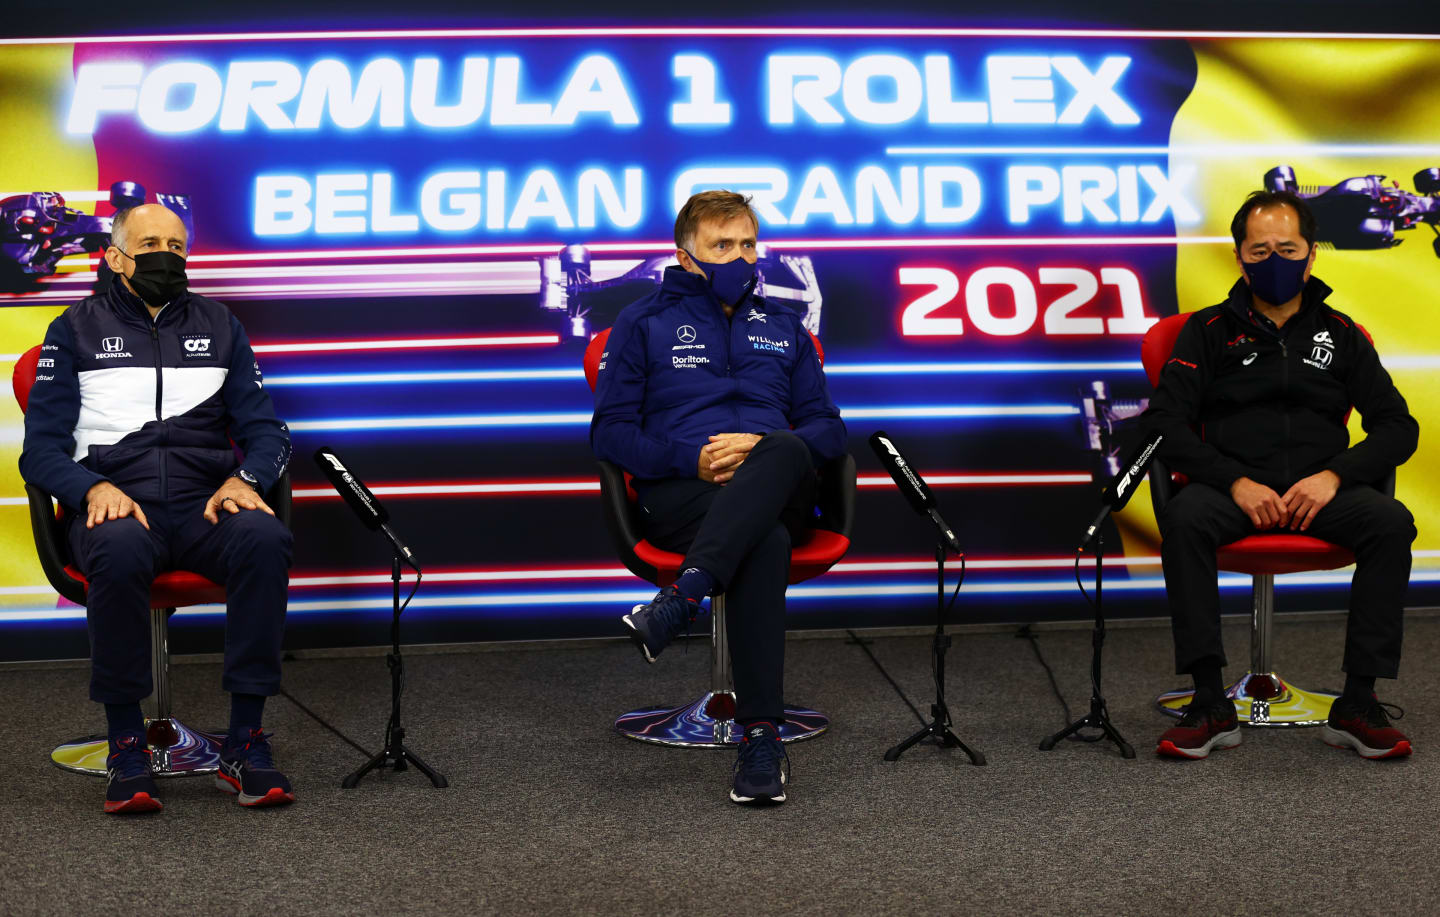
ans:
(714, 400)
(137, 395)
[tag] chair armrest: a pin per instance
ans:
(619, 514)
(50, 545)
(1162, 486)
(836, 496)
(279, 497)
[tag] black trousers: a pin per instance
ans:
(740, 534)
(247, 552)
(1377, 528)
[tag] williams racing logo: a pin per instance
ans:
(1323, 353)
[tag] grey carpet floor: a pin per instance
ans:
(550, 812)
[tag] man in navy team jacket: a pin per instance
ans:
(714, 400)
(138, 393)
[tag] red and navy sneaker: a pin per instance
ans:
(248, 770)
(762, 767)
(1200, 730)
(1364, 726)
(653, 626)
(129, 785)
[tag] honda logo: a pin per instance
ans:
(113, 345)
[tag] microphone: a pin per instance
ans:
(1121, 487)
(912, 486)
(361, 500)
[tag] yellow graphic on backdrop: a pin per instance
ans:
(36, 154)
(1309, 94)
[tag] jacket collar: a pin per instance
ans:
(132, 307)
(679, 282)
(1312, 297)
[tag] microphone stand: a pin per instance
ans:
(1099, 715)
(395, 755)
(939, 725)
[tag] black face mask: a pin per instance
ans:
(159, 277)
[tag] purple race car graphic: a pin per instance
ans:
(37, 230)
(1364, 212)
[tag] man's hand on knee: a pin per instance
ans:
(1263, 505)
(105, 501)
(233, 496)
(725, 453)
(1308, 496)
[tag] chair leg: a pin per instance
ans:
(710, 721)
(1263, 698)
(176, 750)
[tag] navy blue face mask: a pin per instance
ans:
(1277, 279)
(731, 281)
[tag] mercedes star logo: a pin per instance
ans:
(685, 333)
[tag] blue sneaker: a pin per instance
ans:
(248, 771)
(761, 768)
(653, 626)
(129, 786)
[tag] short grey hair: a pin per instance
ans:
(117, 229)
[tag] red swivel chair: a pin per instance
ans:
(177, 750)
(1262, 698)
(709, 722)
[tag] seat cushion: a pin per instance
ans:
(817, 552)
(1282, 554)
(174, 589)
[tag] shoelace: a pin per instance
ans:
(1196, 716)
(1375, 714)
(761, 756)
(257, 749)
(131, 758)
(678, 606)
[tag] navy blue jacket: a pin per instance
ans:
(150, 406)
(676, 371)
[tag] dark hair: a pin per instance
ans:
(1258, 199)
(710, 205)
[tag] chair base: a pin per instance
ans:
(176, 751)
(709, 723)
(1263, 699)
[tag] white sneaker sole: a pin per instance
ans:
(1338, 738)
(635, 635)
(761, 800)
(1219, 740)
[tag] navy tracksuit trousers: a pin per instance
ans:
(246, 552)
(740, 533)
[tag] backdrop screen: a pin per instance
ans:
(421, 231)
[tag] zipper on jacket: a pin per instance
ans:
(1285, 400)
(159, 373)
(159, 398)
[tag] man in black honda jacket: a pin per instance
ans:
(139, 392)
(1253, 405)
